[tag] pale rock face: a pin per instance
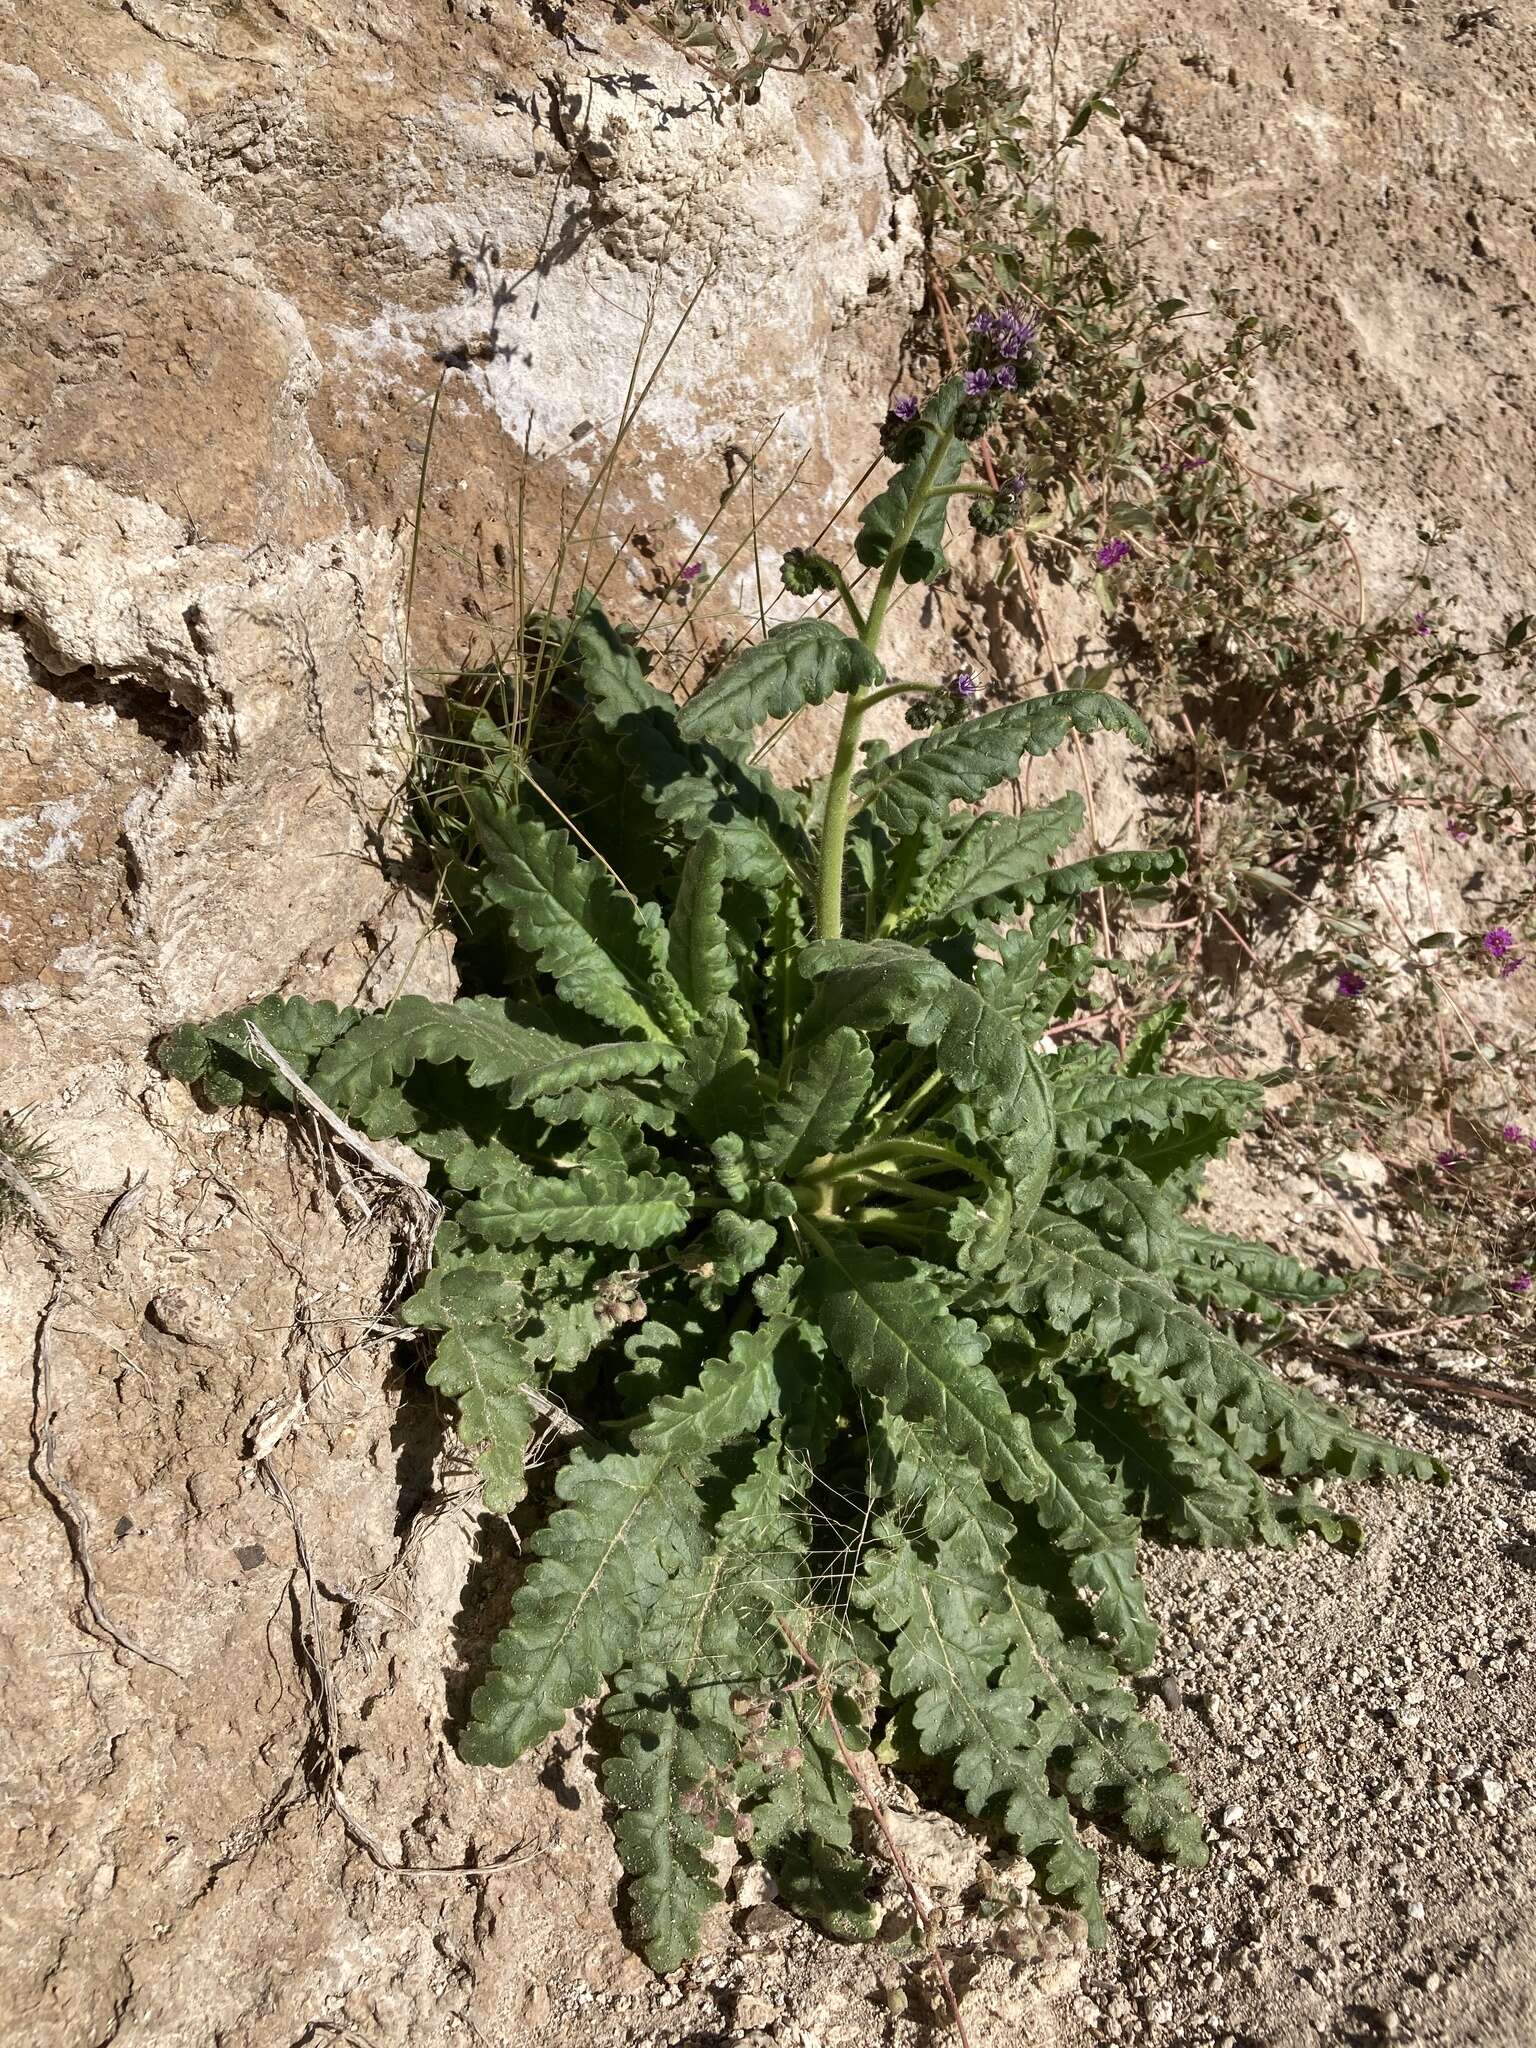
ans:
(242, 247)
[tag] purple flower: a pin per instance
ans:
(1421, 625)
(905, 408)
(1511, 965)
(1010, 334)
(1519, 1283)
(1498, 942)
(759, 7)
(1007, 331)
(1005, 377)
(690, 572)
(1351, 986)
(961, 684)
(1450, 1159)
(1457, 831)
(1111, 552)
(977, 382)
(1512, 1134)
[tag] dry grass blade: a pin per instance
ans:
(425, 1206)
(14, 1179)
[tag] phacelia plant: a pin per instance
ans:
(750, 1159)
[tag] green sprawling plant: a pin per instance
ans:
(1302, 719)
(749, 1157)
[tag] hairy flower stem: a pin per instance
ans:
(850, 602)
(834, 829)
(834, 825)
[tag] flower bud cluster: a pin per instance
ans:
(805, 572)
(947, 704)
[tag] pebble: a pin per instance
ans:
(767, 1919)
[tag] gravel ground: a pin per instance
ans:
(1363, 1734)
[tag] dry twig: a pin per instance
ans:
(310, 1636)
(1336, 1359)
(66, 1503)
(866, 1776)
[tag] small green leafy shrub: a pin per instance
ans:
(845, 1281)
(28, 1165)
(738, 43)
(1235, 611)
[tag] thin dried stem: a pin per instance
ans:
(865, 1774)
(61, 1495)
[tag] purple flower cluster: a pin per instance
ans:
(759, 7)
(1111, 552)
(1001, 358)
(1351, 986)
(905, 409)
(979, 382)
(1512, 1134)
(690, 573)
(1008, 334)
(961, 684)
(1499, 944)
(1519, 1283)
(1448, 1160)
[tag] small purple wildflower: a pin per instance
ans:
(977, 382)
(1111, 552)
(1014, 486)
(1511, 966)
(690, 572)
(961, 684)
(1519, 1283)
(905, 408)
(1005, 377)
(759, 7)
(1512, 1134)
(1008, 333)
(1351, 986)
(1194, 462)
(1450, 1159)
(1421, 625)
(1457, 831)
(1499, 942)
